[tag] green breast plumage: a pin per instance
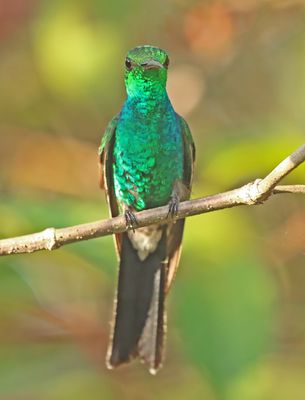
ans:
(148, 154)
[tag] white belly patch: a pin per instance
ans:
(145, 240)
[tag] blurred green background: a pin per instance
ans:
(237, 309)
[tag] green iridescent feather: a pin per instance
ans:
(148, 149)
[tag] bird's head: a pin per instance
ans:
(146, 71)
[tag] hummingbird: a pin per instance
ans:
(146, 160)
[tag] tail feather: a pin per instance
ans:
(150, 346)
(139, 316)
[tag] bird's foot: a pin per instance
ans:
(131, 219)
(173, 205)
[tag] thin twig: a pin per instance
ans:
(298, 189)
(249, 194)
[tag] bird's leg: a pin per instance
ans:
(173, 204)
(180, 193)
(130, 218)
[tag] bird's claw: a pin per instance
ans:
(131, 220)
(173, 206)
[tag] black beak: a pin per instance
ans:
(152, 64)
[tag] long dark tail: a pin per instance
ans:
(140, 315)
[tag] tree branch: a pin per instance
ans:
(252, 193)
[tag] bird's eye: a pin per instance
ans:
(166, 62)
(128, 64)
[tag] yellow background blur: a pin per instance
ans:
(237, 309)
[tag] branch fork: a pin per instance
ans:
(254, 194)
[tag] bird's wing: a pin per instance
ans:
(189, 153)
(105, 153)
(175, 231)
